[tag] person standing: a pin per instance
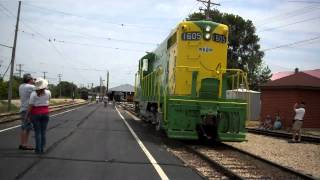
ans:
(298, 121)
(25, 90)
(39, 111)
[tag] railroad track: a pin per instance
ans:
(239, 164)
(9, 117)
(305, 138)
(228, 161)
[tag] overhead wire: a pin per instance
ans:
(6, 46)
(293, 43)
(6, 70)
(311, 2)
(284, 16)
(289, 24)
(90, 37)
(41, 35)
(92, 18)
(54, 40)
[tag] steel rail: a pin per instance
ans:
(214, 164)
(51, 109)
(284, 168)
(305, 138)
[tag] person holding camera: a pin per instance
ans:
(25, 90)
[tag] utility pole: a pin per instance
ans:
(100, 87)
(20, 69)
(44, 74)
(208, 4)
(107, 89)
(13, 58)
(59, 76)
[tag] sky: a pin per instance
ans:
(82, 39)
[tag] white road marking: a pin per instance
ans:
(7, 129)
(133, 116)
(10, 128)
(155, 164)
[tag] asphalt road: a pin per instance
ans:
(91, 142)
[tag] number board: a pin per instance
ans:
(191, 36)
(219, 38)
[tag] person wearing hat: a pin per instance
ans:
(25, 90)
(39, 111)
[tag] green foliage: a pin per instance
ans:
(67, 90)
(244, 49)
(15, 88)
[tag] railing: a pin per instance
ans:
(241, 79)
(150, 86)
(240, 76)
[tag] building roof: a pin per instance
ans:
(243, 90)
(296, 80)
(123, 88)
(315, 73)
(278, 75)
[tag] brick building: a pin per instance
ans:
(282, 93)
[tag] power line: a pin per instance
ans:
(43, 38)
(90, 18)
(311, 2)
(6, 70)
(292, 44)
(6, 46)
(82, 44)
(96, 45)
(50, 40)
(289, 14)
(89, 36)
(285, 25)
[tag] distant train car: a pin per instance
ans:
(84, 94)
(181, 86)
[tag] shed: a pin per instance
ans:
(281, 94)
(124, 92)
(253, 99)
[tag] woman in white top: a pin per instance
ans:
(39, 111)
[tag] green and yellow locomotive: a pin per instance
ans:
(181, 86)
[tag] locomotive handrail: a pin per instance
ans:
(244, 80)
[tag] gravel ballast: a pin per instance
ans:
(304, 157)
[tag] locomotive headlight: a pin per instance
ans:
(208, 29)
(207, 36)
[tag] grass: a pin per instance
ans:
(15, 104)
(4, 107)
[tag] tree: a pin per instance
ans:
(15, 88)
(244, 49)
(67, 89)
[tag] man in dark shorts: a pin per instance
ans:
(25, 90)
